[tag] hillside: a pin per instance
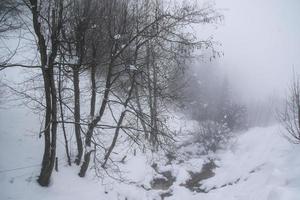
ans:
(257, 164)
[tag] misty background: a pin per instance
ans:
(259, 49)
(261, 45)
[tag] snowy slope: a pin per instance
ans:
(258, 165)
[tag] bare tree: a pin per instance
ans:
(290, 117)
(47, 24)
(156, 48)
(115, 26)
(78, 18)
(62, 115)
(138, 46)
(211, 136)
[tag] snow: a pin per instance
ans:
(117, 37)
(181, 176)
(133, 68)
(259, 164)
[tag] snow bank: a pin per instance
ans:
(258, 165)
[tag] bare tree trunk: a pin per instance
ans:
(46, 171)
(77, 114)
(47, 64)
(80, 35)
(93, 86)
(140, 111)
(94, 122)
(62, 117)
(150, 96)
(117, 131)
(50, 130)
(54, 119)
(154, 107)
(93, 92)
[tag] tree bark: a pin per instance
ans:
(47, 64)
(94, 122)
(77, 115)
(93, 91)
(62, 117)
(46, 171)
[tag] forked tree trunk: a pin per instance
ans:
(94, 122)
(47, 64)
(120, 121)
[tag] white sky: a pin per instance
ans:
(261, 43)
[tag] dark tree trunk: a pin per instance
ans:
(47, 63)
(120, 121)
(87, 155)
(150, 95)
(77, 115)
(50, 128)
(56, 164)
(62, 117)
(46, 171)
(94, 122)
(140, 113)
(154, 107)
(93, 91)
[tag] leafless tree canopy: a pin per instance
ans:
(130, 52)
(9, 11)
(290, 117)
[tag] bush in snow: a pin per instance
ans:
(290, 117)
(211, 135)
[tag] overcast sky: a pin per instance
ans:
(261, 43)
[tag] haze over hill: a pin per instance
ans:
(261, 45)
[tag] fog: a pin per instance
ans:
(261, 45)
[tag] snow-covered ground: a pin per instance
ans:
(257, 165)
